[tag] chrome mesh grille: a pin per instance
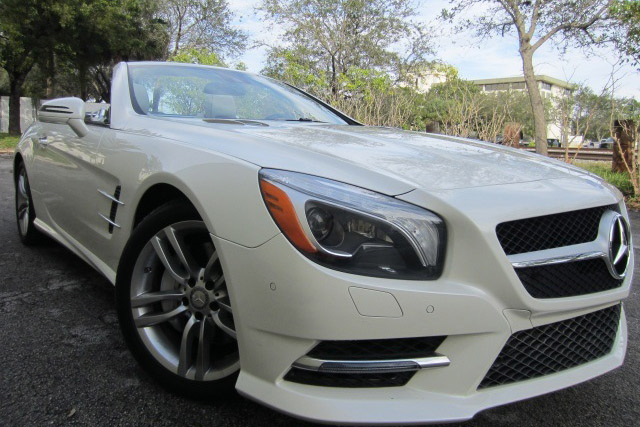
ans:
(550, 231)
(555, 347)
(567, 279)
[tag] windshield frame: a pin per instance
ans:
(313, 99)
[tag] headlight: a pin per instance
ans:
(354, 230)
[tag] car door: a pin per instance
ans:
(69, 169)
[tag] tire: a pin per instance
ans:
(173, 306)
(25, 213)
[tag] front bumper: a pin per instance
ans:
(283, 309)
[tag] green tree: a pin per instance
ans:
(295, 68)
(627, 13)
(534, 23)
(453, 104)
(25, 26)
(198, 56)
(334, 36)
(73, 42)
(98, 33)
(204, 25)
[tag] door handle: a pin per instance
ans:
(43, 140)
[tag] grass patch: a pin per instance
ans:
(603, 169)
(8, 142)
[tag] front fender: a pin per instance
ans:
(226, 194)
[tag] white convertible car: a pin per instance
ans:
(260, 239)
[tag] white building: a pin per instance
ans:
(423, 80)
(27, 114)
(555, 90)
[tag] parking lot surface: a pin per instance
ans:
(63, 360)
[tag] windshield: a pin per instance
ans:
(215, 93)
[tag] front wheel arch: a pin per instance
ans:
(17, 161)
(173, 212)
(156, 196)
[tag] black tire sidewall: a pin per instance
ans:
(158, 219)
(32, 235)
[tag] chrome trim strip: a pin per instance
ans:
(110, 197)
(108, 220)
(370, 366)
(559, 259)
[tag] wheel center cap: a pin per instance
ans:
(199, 298)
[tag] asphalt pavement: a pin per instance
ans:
(64, 362)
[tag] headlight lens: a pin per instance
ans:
(351, 229)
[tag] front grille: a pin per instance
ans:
(567, 279)
(550, 231)
(399, 348)
(302, 376)
(555, 347)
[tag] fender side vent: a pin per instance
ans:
(114, 208)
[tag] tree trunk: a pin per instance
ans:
(82, 79)
(15, 90)
(623, 145)
(51, 73)
(334, 83)
(537, 107)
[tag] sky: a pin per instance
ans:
(495, 57)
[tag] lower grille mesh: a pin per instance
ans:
(555, 347)
(325, 379)
(567, 279)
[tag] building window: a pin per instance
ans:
(545, 85)
(496, 86)
(518, 85)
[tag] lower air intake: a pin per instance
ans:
(555, 347)
(395, 379)
(337, 355)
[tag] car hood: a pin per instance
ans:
(426, 161)
(388, 160)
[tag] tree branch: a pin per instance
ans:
(572, 26)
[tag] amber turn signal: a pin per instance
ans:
(284, 215)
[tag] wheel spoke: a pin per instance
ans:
(225, 306)
(153, 319)
(212, 261)
(218, 283)
(227, 330)
(185, 346)
(22, 187)
(169, 263)
(151, 297)
(24, 221)
(182, 252)
(202, 361)
(222, 297)
(22, 210)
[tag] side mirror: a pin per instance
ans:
(65, 110)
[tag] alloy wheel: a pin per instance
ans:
(180, 304)
(22, 202)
